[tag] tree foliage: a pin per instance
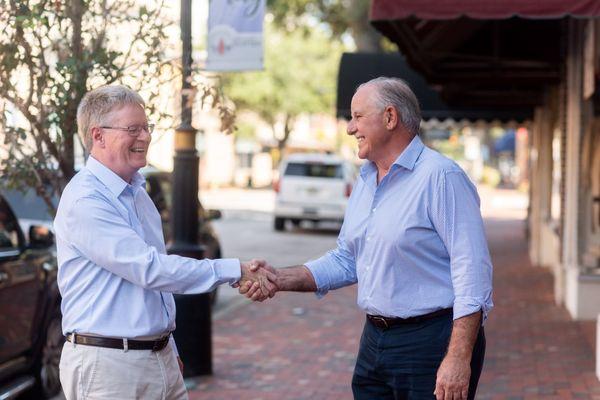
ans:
(51, 53)
(342, 16)
(299, 77)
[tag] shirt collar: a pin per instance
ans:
(410, 154)
(112, 181)
(406, 159)
(367, 169)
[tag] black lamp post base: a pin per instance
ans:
(193, 334)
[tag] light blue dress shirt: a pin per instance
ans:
(114, 275)
(415, 243)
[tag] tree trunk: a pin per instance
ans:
(366, 38)
(282, 142)
(287, 130)
(78, 87)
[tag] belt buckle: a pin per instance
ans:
(381, 320)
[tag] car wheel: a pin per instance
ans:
(48, 378)
(279, 224)
(296, 222)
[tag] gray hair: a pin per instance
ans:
(97, 104)
(396, 93)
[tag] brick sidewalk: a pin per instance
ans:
(298, 347)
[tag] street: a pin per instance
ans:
(246, 232)
(247, 235)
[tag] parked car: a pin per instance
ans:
(30, 209)
(30, 320)
(159, 187)
(312, 187)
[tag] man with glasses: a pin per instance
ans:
(115, 277)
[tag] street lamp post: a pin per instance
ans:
(193, 334)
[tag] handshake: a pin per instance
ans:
(258, 280)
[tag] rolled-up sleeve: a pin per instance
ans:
(336, 269)
(96, 230)
(457, 219)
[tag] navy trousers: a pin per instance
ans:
(401, 363)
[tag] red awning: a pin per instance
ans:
(385, 10)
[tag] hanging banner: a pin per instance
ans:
(235, 40)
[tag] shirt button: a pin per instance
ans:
(373, 210)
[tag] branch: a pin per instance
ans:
(141, 35)
(99, 41)
(34, 122)
(19, 39)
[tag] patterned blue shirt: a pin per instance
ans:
(415, 243)
(114, 275)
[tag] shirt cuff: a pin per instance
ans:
(321, 278)
(228, 270)
(464, 306)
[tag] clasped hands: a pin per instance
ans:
(258, 281)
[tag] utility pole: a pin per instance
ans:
(194, 332)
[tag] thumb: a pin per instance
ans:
(256, 264)
(254, 267)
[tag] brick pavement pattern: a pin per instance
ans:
(297, 347)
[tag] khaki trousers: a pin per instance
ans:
(98, 373)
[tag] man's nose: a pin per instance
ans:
(351, 128)
(145, 135)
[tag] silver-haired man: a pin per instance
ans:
(413, 239)
(115, 277)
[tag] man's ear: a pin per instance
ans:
(97, 137)
(390, 117)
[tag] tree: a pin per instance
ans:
(299, 77)
(342, 16)
(51, 53)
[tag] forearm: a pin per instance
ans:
(128, 255)
(464, 335)
(295, 279)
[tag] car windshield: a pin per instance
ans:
(314, 170)
(28, 205)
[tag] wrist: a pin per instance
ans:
(458, 354)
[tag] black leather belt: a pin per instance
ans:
(386, 322)
(122, 344)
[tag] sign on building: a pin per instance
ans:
(235, 40)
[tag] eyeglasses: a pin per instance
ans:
(134, 130)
